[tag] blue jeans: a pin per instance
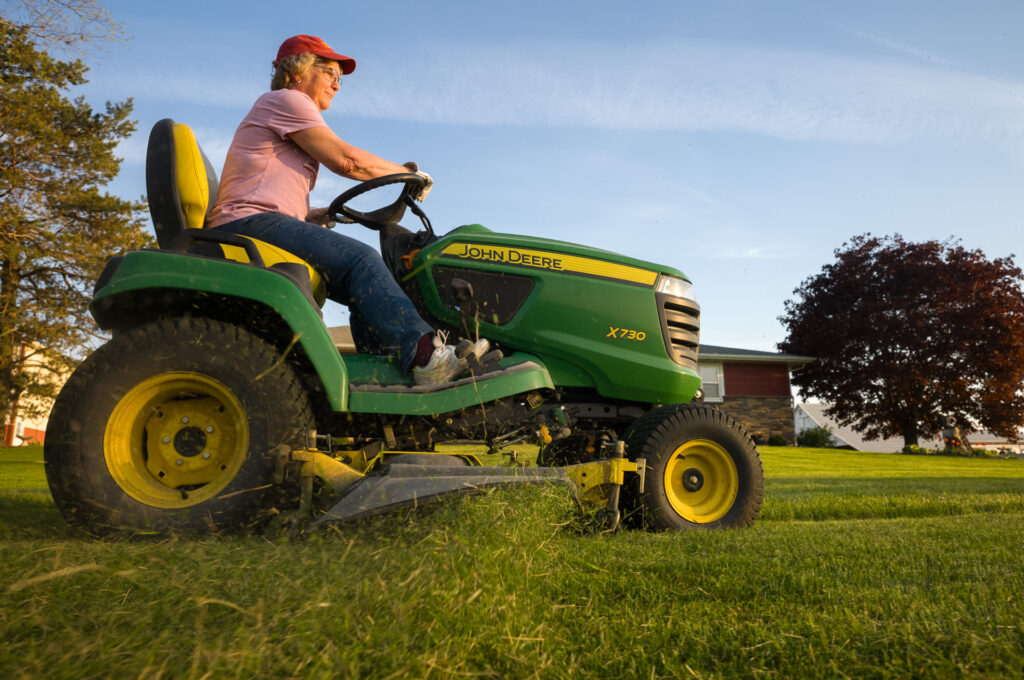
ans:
(383, 318)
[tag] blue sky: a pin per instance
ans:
(740, 141)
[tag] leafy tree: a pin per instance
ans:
(57, 226)
(906, 333)
(63, 24)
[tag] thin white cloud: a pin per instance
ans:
(878, 39)
(686, 86)
(214, 142)
(902, 48)
(184, 84)
(752, 253)
(132, 150)
(693, 86)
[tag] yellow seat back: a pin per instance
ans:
(182, 187)
(191, 176)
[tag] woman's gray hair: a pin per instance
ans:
(291, 68)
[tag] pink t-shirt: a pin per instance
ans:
(265, 171)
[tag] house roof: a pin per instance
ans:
(848, 437)
(752, 355)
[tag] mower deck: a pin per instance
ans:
(410, 485)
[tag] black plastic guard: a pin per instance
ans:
(407, 486)
(397, 241)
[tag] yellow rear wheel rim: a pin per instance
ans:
(176, 440)
(701, 481)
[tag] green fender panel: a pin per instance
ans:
(156, 271)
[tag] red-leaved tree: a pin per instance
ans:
(907, 333)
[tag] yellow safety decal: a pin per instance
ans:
(558, 262)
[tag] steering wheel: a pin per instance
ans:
(389, 214)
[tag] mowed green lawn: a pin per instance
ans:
(862, 565)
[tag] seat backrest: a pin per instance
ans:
(181, 184)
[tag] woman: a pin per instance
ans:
(271, 167)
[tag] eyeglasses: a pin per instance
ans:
(332, 74)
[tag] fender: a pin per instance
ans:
(156, 280)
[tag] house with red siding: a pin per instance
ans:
(24, 431)
(753, 387)
(25, 422)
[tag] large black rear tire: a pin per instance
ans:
(703, 471)
(173, 426)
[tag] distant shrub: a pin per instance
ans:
(815, 437)
(777, 440)
(972, 453)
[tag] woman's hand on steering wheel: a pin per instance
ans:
(321, 217)
(427, 186)
(422, 196)
(414, 182)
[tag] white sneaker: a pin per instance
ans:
(442, 367)
(480, 347)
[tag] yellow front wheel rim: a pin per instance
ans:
(176, 440)
(701, 481)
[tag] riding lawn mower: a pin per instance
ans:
(221, 403)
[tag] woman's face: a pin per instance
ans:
(321, 83)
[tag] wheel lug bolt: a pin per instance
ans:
(209, 428)
(166, 440)
(206, 455)
(179, 462)
(185, 419)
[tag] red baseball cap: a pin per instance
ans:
(300, 44)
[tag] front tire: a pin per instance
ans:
(703, 470)
(173, 426)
